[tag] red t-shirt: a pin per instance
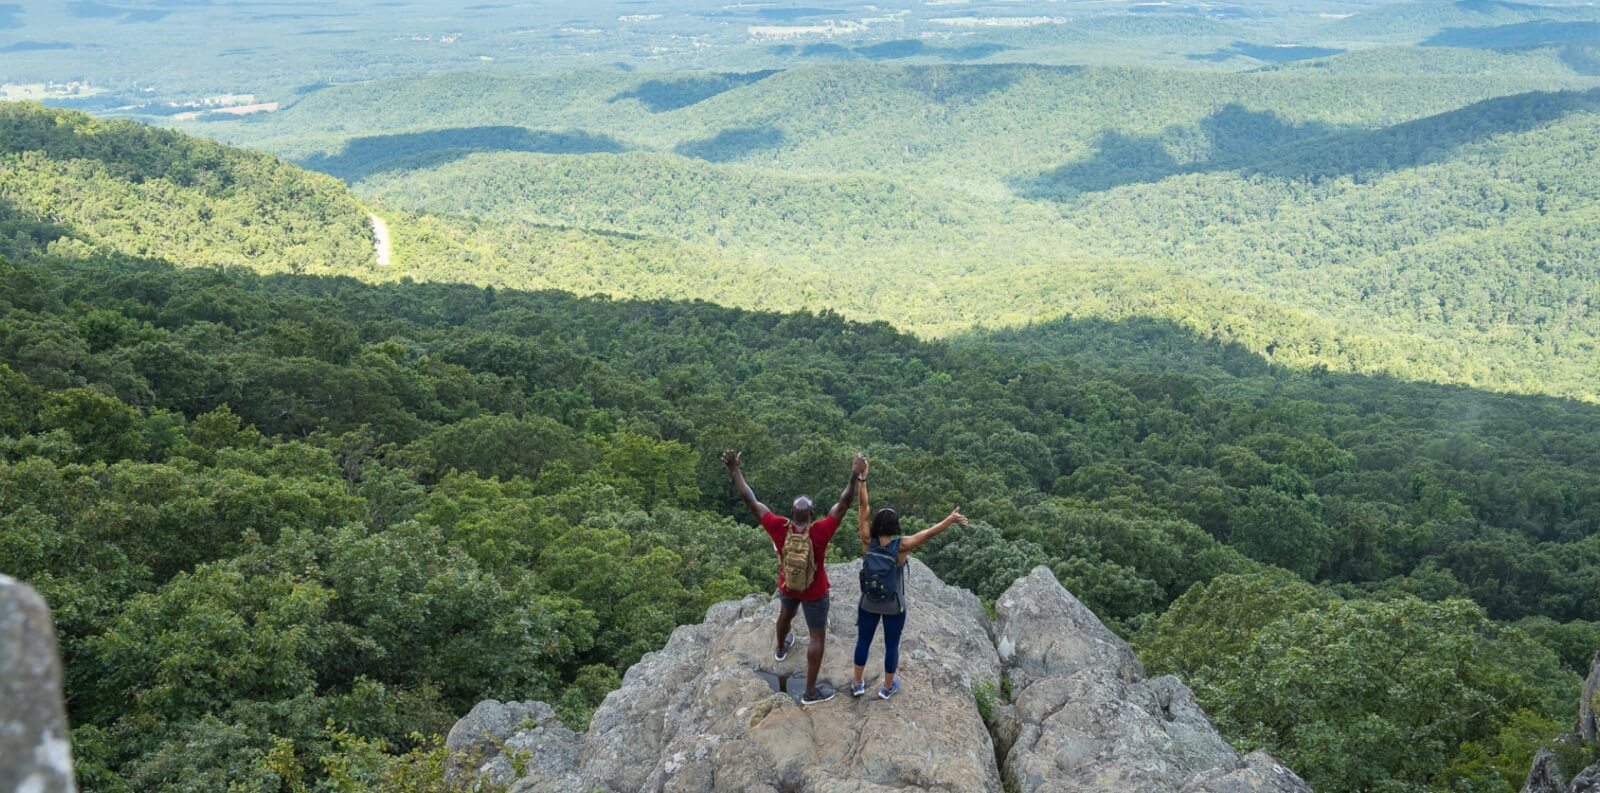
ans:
(821, 532)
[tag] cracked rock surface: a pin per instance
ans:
(1085, 718)
(35, 756)
(702, 713)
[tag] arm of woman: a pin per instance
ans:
(910, 543)
(863, 513)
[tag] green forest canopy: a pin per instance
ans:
(292, 524)
(1368, 216)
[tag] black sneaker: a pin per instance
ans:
(783, 652)
(823, 695)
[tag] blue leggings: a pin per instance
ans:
(867, 625)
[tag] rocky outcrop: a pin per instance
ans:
(1588, 728)
(1086, 718)
(713, 711)
(702, 714)
(1546, 775)
(34, 753)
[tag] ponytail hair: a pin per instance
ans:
(885, 523)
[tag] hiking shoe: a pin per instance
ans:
(857, 689)
(783, 652)
(886, 693)
(822, 695)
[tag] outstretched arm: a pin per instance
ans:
(733, 460)
(863, 512)
(911, 543)
(858, 468)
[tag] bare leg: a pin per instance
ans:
(785, 619)
(888, 678)
(860, 670)
(819, 637)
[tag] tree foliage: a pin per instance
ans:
(290, 525)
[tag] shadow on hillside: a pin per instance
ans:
(825, 49)
(1522, 35)
(1156, 360)
(660, 96)
(733, 144)
(363, 157)
(1159, 359)
(971, 82)
(1259, 143)
(1232, 135)
(1266, 53)
(1583, 60)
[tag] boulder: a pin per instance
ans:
(1088, 719)
(1587, 781)
(1588, 728)
(1545, 775)
(483, 744)
(713, 711)
(37, 757)
(702, 714)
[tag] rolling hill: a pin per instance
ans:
(1356, 212)
(297, 511)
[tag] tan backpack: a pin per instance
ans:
(798, 560)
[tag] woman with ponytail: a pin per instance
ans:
(883, 585)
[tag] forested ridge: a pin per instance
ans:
(1422, 215)
(292, 525)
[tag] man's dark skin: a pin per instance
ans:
(801, 515)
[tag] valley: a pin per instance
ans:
(361, 362)
(1226, 191)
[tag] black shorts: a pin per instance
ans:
(816, 610)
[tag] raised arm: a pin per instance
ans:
(858, 468)
(864, 511)
(734, 460)
(910, 543)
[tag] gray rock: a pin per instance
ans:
(35, 755)
(1587, 781)
(1588, 727)
(1258, 773)
(497, 739)
(1545, 775)
(697, 717)
(1089, 721)
(1075, 638)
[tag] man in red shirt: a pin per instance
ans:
(814, 599)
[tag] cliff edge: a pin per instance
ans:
(713, 711)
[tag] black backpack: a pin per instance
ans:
(883, 589)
